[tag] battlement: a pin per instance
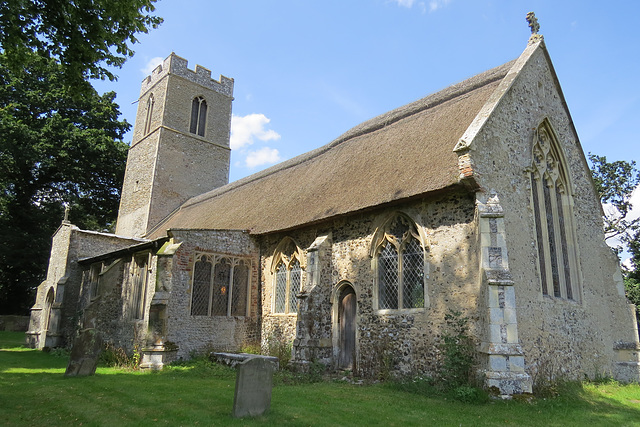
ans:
(177, 65)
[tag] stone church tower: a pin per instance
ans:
(180, 146)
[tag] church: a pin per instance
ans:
(476, 199)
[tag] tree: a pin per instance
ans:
(55, 148)
(615, 183)
(84, 36)
(632, 274)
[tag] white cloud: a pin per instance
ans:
(263, 156)
(151, 65)
(437, 4)
(405, 3)
(635, 203)
(252, 126)
(421, 5)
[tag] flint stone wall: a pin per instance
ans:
(407, 338)
(200, 334)
(65, 275)
(560, 337)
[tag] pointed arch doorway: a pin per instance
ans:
(347, 307)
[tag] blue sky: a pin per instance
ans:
(305, 72)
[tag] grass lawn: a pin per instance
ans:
(33, 391)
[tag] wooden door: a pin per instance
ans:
(347, 322)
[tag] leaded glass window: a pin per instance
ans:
(388, 277)
(294, 285)
(281, 288)
(201, 291)
(400, 265)
(553, 216)
(413, 275)
(220, 286)
(287, 277)
(239, 288)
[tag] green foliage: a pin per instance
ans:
(469, 394)
(287, 376)
(457, 352)
(58, 352)
(55, 148)
(615, 181)
(84, 36)
(632, 289)
(251, 348)
(203, 367)
(279, 347)
(117, 357)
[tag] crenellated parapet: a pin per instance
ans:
(177, 66)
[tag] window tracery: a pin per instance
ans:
(552, 206)
(288, 277)
(400, 266)
(220, 285)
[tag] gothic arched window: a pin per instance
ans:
(552, 207)
(288, 277)
(400, 265)
(198, 116)
(220, 285)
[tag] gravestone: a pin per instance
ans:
(254, 381)
(85, 353)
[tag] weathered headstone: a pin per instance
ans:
(85, 353)
(254, 381)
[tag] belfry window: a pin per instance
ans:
(220, 285)
(198, 116)
(147, 121)
(400, 266)
(288, 277)
(552, 207)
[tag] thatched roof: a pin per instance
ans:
(398, 155)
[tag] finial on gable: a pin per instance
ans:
(535, 27)
(66, 213)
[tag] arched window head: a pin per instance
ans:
(287, 270)
(400, 265)
(198, 116)
(149, 115)
(553, 214)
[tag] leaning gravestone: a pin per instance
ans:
(85, 353)
(254, 381)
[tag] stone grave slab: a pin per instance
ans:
(85, 354)
(254, 381)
